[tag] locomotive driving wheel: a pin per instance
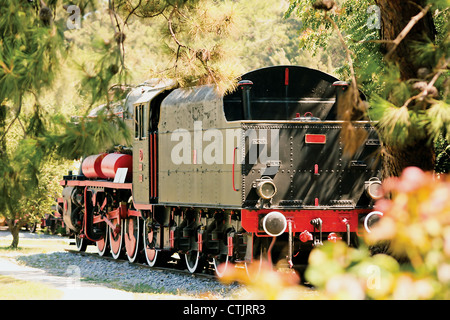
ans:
(152, 255)
(100, 202)
(132, 234)
(222, 264)
(80, 242)
(116, 238)
(260, 257)
(103, 244)
(194, 261)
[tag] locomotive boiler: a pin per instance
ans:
(216, 181)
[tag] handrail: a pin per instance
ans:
(232, 170)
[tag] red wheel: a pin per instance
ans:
(153, 256)
(99, 202)
(132, 230)
(103, 244)
(222, 263)
(116, 238)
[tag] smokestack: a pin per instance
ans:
(341, 87)
(245, 86)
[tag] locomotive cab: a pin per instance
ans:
(146, 111)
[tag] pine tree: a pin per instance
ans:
(30, 46)
(196, 35)
(37, 43)
(398, 54)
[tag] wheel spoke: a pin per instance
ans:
(115, 239)
(132, 237)
(103, 244)
(99, 201)
(152, 255)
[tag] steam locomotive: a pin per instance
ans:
(218, 180)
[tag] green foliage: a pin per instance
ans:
(98, 78)
(214, 42)
(192, 43)
(97, 60)
(26, 186)
(355, 20)
(442, 147)
(31, 46)
(28, 50)
(88, 136)
(406, 111)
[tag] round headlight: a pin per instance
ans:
(274, 223)
(266, 189)
(374, 189)
(371, 219)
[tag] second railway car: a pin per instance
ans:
(218, 180)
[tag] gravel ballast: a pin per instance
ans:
(128, 276)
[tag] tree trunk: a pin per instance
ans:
(14, 227)
(395, 15)
(397, 158)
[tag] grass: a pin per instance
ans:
(15, 289)
(27, 246)
(31, 246)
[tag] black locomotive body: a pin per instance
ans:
(227, 179)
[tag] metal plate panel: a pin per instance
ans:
(307, 175)
(196, 150)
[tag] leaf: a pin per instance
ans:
(439, 115)
(89, 136)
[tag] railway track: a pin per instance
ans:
(208, 274)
